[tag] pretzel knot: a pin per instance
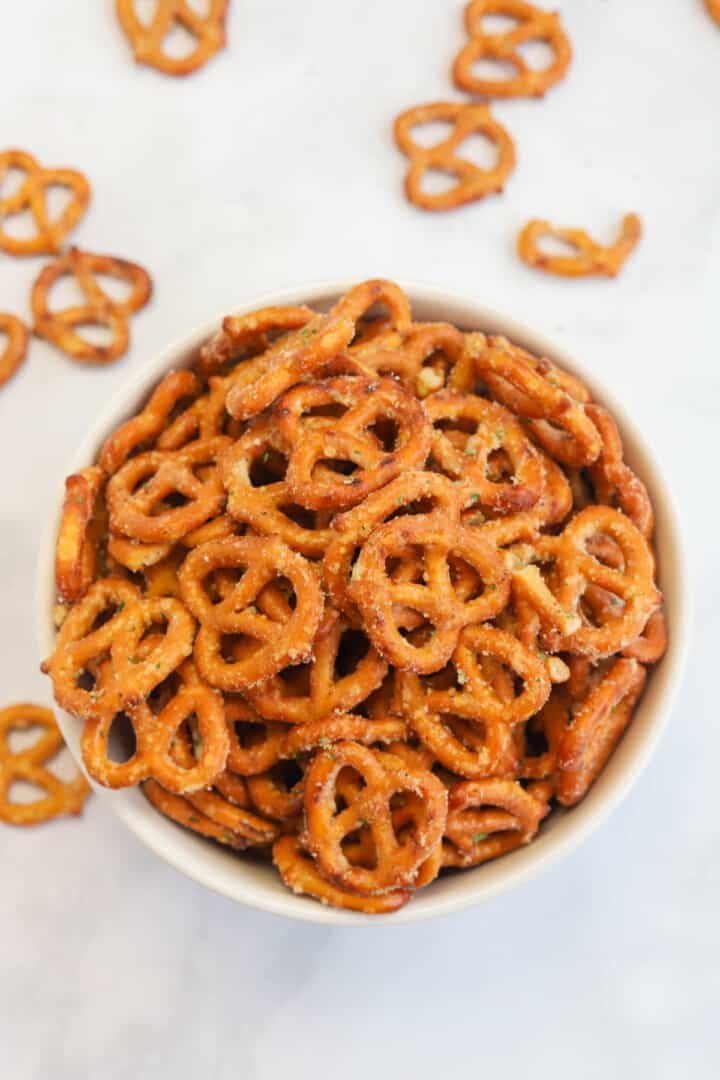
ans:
(148, 424)
(147, 38)
(140, 494)
(487, 818)
(383, 777)
(430, 592)
(473, 182)
(261, 644)
(378, 431)
(16, 345)
(531, 24)
(99, 309)
(589, 258)
(74, 550)
(28, 766)
(31, 195)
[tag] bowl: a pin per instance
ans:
(259, 886)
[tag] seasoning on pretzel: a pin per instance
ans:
(371, 594)
(445, 157)
(14, 352)
(148, 38)
(589, 256)
(32, 195)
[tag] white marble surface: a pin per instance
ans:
(272, 166)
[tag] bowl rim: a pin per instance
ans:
(577, 825)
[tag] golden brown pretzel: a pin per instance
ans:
(147, 39)
(613, 481)
(28, 766)
(589, 258)
(74, 549)
(99, 309)
(49, 234)
(149, 423)
(16, 346)
(487, 818)
(248, 333)
(531, 24)
(473, 182)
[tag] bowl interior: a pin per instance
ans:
(258, 885)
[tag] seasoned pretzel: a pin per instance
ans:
(384, 775)
(75, 553)
(242, 333)
(278, 793)
(366, 403)
(279, 642)
(318, 688)
(99, 309)
(148, 424)
(589, 258)
(16, 345)
(531, 24)
(477, 696)
(487, 430)
(473, 182)
(137, 494)
(425, 358)
(182, 811)
(552, 507)
(147, 38)
(557, 420)
(28, 766)
(340, 727)
(487, 818)
(433, 596)
(613, 481)
(300, 873)
(255, 743)
(31, 195)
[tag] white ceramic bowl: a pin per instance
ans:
(260, 886)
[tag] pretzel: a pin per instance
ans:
(366, 403)
(531, 24)
(318, 689)
(149, 423)
(552, 507)
(433, 596)
(283, 641)
(494, 430)
(589, 257)
(597, 727)
(248, 334)
(30, 195)
(511, 395)
(27, 766)
(340, 727)
(488, 818)
(16, 345)
(278, 793)
(384, 776)
(137, 494)
(300, 873)
(74, 549)
(473, 182)
(573, 439)
(147, 39)
(613, 481)
(264, 501)
(425, 358)
(99, 308)
(181, 810)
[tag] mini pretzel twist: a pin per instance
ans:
(75, 553)
(243, 334)
(531, 24)
(148, 424)
(589, 258)
(16, 345)
(473, 182)
(147, 39)
(384, 776)
(487, 818)
(31, 195)
(99, 308)
(27, 766)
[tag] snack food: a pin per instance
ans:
(590, 257)
(148, 38)
(28, 766)
(530, 24)
(31, 195)
(473, 182)
(372, 595)
(100, 309)
(16, 345)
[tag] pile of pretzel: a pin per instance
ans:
(372, 594)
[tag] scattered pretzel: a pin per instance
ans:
(31, 195)
(59, 327)
(147, 39)
(531, 24)
(590, 257)
(473, 182)
(16, 345)
(28, 766)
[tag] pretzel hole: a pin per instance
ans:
(343, 466)
(57, 199)
(493, 69)
(251, 733)
(11, 182)
(480, 150)
(536, 743)
(179, 43)
(121, 743)
(556, 247)
(499, 467)
(354, 647)
(146, 10)
(22, 793)
(493, 24)
(537, 54)
(97, 334)
(438, 181)
(348, 785)
(19, 739)
(267, 468)
(235, 648)
(465, 580)
(20, 226)
(300, 515)
(287, 775)
(117, 288)
(65, 292)
(431, 133)
(386, 430)
(296, 681)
